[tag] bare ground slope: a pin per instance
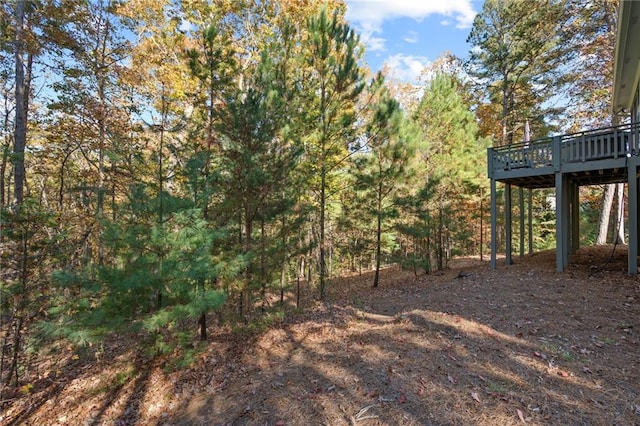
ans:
(470, 346)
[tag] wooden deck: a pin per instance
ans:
(592, 157)
(566, 162)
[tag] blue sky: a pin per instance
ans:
(407, 35)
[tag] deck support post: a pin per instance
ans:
(633, 218)
(521, 208)
(530, 220)
(507, 224)
(574, 202)
(562, 219)
(494, 225)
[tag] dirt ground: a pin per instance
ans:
(470, 346)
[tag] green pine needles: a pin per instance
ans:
(164, 275)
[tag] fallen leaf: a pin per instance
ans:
(402, 399)
(562, 373)
(373, 394)
(475, 396)
(521, 416)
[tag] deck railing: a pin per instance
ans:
(597, 144)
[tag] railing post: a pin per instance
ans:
(556, 152)
(490, 162)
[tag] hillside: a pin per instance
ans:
(522, 344)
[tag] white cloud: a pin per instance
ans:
(373, 43)
(367, 16)
(411, 37)
(407, 68)
(374, 12)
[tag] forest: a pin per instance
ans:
(170, 167)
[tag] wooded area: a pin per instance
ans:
(177, 164)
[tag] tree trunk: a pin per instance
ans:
(603, 222)
(20, 130)
(202, 322)
(263, 268)
(620, 221)
(283, 266)
(481, 229)
(102, 139)
(299, 274)
(248, 246)
(503, 115)
(378, 237)
(438, 241)
(323, 267)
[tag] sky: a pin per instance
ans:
(408, 35)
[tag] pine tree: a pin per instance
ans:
(386, 170)
(334, 82)
(454, 148)
(258, 157)
(183, 257)
(517, 56)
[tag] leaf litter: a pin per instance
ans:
(523, 344)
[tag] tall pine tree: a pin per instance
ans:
(334, 82)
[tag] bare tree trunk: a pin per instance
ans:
(263, 267)
(323, 266)
(283, 266)
(248, 247)
(299, 274)
(603, 222)
(202, 321)
(102, 137)
(505, 111)
(20, 130)
(440, 246)
(376, 278)
(6, 153)
(481, 228)
(620, 221)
